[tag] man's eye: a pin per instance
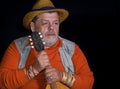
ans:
(56, 23)
(44, 23)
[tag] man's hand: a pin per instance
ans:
(41, 61)
(52, 75)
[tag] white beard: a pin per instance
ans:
(50, 41)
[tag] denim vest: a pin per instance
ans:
(66, 52)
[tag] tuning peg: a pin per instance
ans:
(41, 36)
(39, 33)
(44, 42)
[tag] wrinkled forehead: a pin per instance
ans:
(56, 14)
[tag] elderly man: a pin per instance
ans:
(44, 60)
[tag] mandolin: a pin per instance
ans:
(39, 43)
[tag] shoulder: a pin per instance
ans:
(66, 41)
(69, 43)
(21, 42)
(21, 38)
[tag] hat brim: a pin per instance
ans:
(30, 15)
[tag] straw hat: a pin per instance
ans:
(42, 6)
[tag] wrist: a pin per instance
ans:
(35, 71)
(30, 72)
(68, 79)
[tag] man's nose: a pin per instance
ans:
(51, 27)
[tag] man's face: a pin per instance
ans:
(48, 25)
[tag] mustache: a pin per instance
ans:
(48, 33)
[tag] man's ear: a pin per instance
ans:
(32, 26)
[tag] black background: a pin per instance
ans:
(92, 24)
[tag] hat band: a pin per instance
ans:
(44, 8)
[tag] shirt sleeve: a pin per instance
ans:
(10, 76)
(83, 74)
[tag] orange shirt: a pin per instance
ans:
(13, 78)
